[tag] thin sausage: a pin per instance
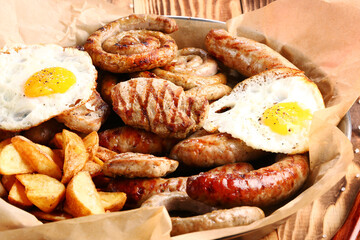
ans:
(242, 54)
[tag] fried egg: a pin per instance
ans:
(38, 82)
(271, 111)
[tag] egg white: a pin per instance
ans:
(18, 63)
(239, 113)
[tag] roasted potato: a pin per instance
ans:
(43, 191)
(82, 198)
(7, 181)
(10, 160)
(75, 155)
(17, 196)
(112, 201)
(91, 142)
(38, 157)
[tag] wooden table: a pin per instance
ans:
(326, 215)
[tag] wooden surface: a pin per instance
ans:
(324, 218)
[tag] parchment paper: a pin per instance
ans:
(320, 37)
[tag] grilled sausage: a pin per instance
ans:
(129, 139)
(192, 67)
(209, 218)
(41, 134)
(242, 54)
(177, 201)
(139, 190)
(133, 43)
(222, 218)
(213, 150)
(211, 92)
(134, 165)
(263, 187)
(194, 61)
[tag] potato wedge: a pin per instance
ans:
(112, 201)
(55, 154)
(43, 191)
(75, 155)
(4, 143)
(91, 142)
(17, 196)
(82, 198)
(7, 181)
(11, 162)
(39, 159)
(57, 141)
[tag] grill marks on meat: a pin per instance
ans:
(158, 106)
(263, 187)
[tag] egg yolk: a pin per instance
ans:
(49, 81)
(286, 118)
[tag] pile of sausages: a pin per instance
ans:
(162, 96)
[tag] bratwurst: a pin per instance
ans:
(263, 187)
(129, 139)
(203, 149)
(242, 54)
(133, 43)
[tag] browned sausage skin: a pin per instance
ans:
(209, 150)
(133, 165)
(262, 187)
(139, 190)
(242, 54)
(129, 139)
(133, 43)
(210, 218)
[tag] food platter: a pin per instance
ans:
(191, 33)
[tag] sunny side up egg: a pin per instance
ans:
(38, 82)
(271, 111)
